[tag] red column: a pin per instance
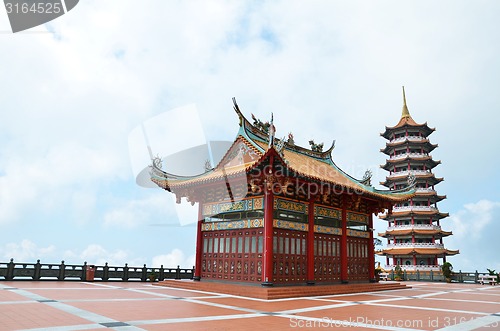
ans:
(414, 260)
(267, 275)
(199, 245)
(371, 250)
(310, 243)
(387, 260)
(344, 276)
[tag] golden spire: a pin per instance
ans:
(406, 113)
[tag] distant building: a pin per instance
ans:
(272, 212)
(414, 234)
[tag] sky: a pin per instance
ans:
(74, 90)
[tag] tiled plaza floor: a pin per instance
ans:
(62, 306)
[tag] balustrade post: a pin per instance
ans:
(62, 270)
(10, 270)
(125, 273)
(178, 273)
(38, 269)
(144, 275)
(105, 272)
(418, 275)
(84, 271)
(161, 276)
(192, 275)
(432, 275)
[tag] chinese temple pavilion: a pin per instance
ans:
(272, 212)
(414, 234)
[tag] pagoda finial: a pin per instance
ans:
(406, 112)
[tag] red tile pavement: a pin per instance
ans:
(35, 315)
(140, 306)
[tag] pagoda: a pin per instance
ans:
(273, 212)
(414, 234)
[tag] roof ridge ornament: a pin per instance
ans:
(272, 131)
(261, 126)
(405, 112)
(316, 147)
(367, 178)
(238, 111)
(411, 180)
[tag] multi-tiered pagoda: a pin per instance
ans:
(414, 234)
(273, 212)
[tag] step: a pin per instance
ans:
(279, 292)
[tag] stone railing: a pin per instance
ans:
(405, 155)
(408, 172)
(432, 273)
(416, 245)
(415, 208)
(415, 267)
(425, 189)
(410, 138)
(88, 272)
(414, 226)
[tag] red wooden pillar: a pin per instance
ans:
(310, 243)
(371, 250)
(414, 259)
(267, 274)
(199, 245)
(344, 276)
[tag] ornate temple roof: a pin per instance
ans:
(397, 178)
(404, 232)
(415, 159)
(420, 251)
(435, 213)
(423, 143)
(253, 146)
(407, 121)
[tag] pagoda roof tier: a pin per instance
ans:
(418, 142)
(415, 159)
(415, 211)
(406, 122)
(429, 193)
(401, 177)
(419, 251)
(422, 176)
(252, 150)
(405, 232)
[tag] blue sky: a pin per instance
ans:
(73, 90)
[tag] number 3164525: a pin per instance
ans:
(35, 8)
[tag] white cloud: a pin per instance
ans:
(99, 255)
(474, 220)
(25, 251)
(132, 213)
(64, 175)
(173, 259)
(475, 233)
